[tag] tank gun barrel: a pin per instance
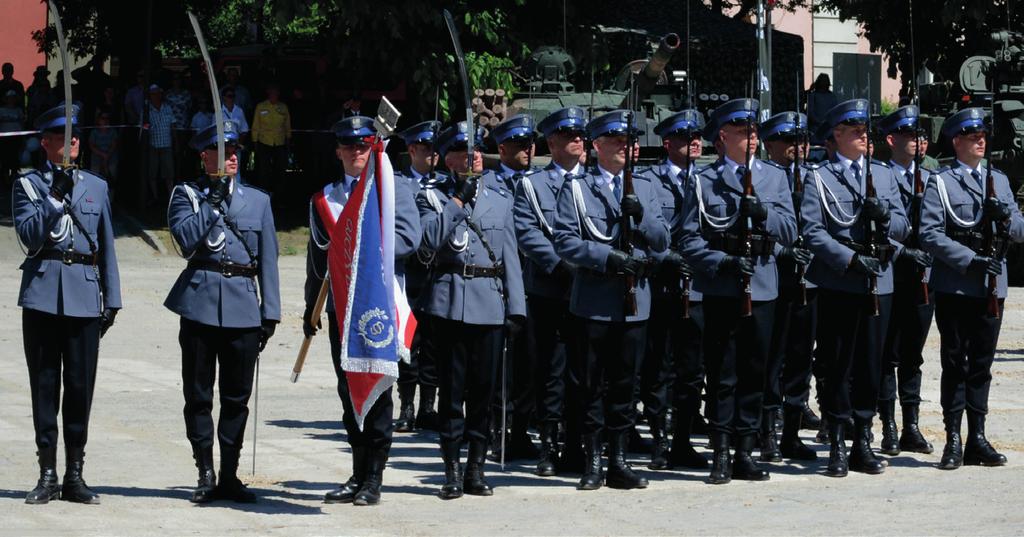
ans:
(655, 66)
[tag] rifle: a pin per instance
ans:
(747, 306)
(686, 279)
(798, 192)
(872, 226)
(990, 228)
(915, 206)
(626, 238)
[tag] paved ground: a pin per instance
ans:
(139, 461)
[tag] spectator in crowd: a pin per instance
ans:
(40, 98)
(232, 111)
(103, 147)
(204, 114)
(160, 165)
(242, 96)
(180, 100)
(820, 100)
(12, 119)
(133, 100)
(108, 104)
(272, 135)
(9, 83)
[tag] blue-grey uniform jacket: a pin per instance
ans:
(671, 190)
(907, 271)
(414, 270)
(49, 285)
(720, 193)
(822, 233)
(535, 208)
(788, 270)
(596, 294)
(208, 296)
(407, 235)
(448, 238)
(966, 197)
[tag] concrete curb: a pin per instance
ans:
(136, 228)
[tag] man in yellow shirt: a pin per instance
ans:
(272, 134)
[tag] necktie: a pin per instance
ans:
(910, 178)
(977, 177)
(856, 171)
(617, 188)
(741, 172)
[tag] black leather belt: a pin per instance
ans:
(68, 258)
(226, 269)
(882, 252)
(470, 271)
(975, 240)
(733, 244)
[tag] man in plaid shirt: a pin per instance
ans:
(160, 161)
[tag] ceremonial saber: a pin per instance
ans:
(65, 67)
(318, 309)
(218, 113)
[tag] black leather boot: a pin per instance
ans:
(721, 463)
(369, 493)
(953, 453)
(592, 478)
(520, 445)
(229, 487)
(792, 447)
(887, 414)
(452, 487)
(769, 439)
(74, 488)
(620, 473)
(861, 458)
(347, 491)
(838, 465)
(743, 466)
(824, 429)
(572, 460)
(548, 449)
(811, 421)
(474, 482)
(977, 450)
(406, 409)
(636, 443)
(683, 453)
(912, 440)
(47, 488)
(207, 477)
(659, 449)
(426, 417)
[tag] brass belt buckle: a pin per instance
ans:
(225, 270)
(68, 257)
(468, 272)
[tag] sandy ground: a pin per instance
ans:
(139, 461)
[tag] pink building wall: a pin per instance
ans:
(19, 20)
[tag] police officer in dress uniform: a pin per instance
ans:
(850, 232)
(674, 330)
(371, 444)
(958, 213)
(911, 312)
(420, 141)
(546, 277)
(719, 224)
(229, 301)
(474, 297)
(610, 341)
(515, 140)
(70, 293)
(788, 371)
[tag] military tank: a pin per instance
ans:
(993, 82)
(550, 70)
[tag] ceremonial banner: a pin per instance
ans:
(374, 318)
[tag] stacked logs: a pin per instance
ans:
(489, 107)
